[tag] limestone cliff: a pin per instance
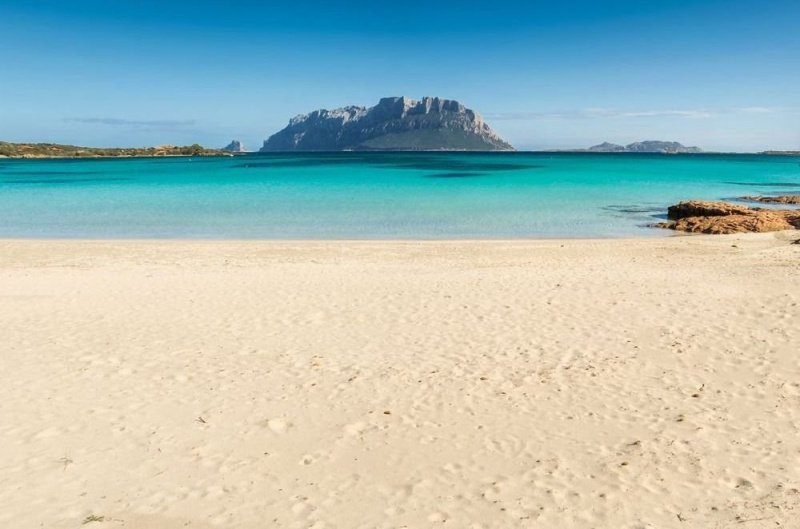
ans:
(394, 124)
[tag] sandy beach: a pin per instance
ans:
(650, 383)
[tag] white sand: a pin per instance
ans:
(605, 384)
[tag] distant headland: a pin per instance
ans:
(55, 150)
(394, 124)
(649, 146)
(665, 147)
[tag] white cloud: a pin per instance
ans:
(757, 110)
(169, 123)
(691, 114)
(593, 113)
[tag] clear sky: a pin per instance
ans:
(720, 74)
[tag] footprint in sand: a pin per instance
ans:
(278, 426)
(356, 428)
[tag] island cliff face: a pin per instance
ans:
(394, 124)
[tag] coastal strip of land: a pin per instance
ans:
(561, 383)
(56, 150)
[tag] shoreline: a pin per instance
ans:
(421, 151)
(667, 236)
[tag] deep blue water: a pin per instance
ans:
(372, 195)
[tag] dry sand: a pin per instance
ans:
(598, 384)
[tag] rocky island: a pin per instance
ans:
(650, 146)
(394, 124)
(235, 146)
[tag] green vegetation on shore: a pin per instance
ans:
(54, 150)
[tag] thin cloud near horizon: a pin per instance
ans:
(133, 122)
(594, 113)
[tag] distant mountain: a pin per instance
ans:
(653, 146)
(234, 146)
(607, 147)
(394, 124)
(667, 147)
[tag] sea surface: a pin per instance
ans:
(373, 195)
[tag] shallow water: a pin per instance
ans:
(373, 195)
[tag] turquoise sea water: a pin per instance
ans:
(372, 195)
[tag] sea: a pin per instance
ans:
(377, 195)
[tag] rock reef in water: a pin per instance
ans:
(394, 124)
(697, 216)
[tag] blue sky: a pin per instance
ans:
(723, 75)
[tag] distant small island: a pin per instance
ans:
(55, 150)
(235, 146)
(649, 146)
(394, 124)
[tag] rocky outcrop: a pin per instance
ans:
(651, 146)
(701, 208)
(785, 199)
(698, 216)
(234, 146)
(395, 123)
